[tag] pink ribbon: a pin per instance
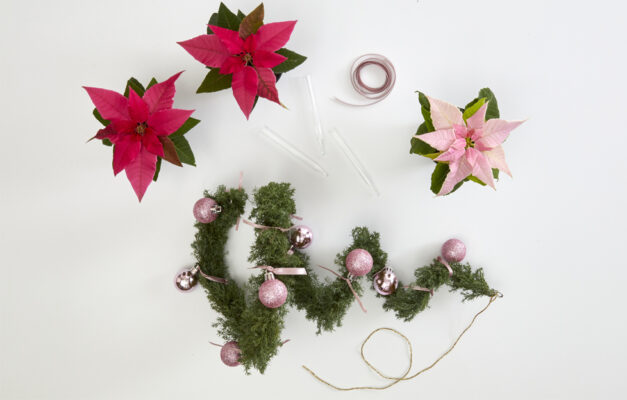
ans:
(419, 288)
(282, 271)
(443, 261)
(264, 227)
(212, 278)
(348, 281)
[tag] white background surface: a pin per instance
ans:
(87, 305)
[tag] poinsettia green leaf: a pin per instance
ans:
(184, 150)
(251, 23)
(156, 175)
(432, 156)
(418, 146)
(428, 122)
(107, 142)
(136, 85)
(103, 121)
(424, 101)
(470, 111)
(240, 14)
(293, 60)
(438, 176)
(493, 106)
(152, 82)
(226, 18)
(475, 179)
(215, 81)
(425, 110)
(189, 124)
(213, 20)
(495, 173)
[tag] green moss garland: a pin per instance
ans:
(257, 329)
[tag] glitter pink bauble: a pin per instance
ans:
(272, 293)
(453, 250)
(205, 210)
(230, 354)
(359, 262)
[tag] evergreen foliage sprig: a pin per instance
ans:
(257, 329)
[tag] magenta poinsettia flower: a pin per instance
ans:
(139, 127)
(249, 60)
(471, 147)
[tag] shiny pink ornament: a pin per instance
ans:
(359, 262)
(385, 282)
(301, 237)
(206, 210)
(272, 293)
(230, 354)
(453, 250)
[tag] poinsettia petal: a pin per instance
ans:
(165, 122)
(267, 59)
(444, 115)
(458, 172)
(481, 167)
(110, 104)
(123, 125)
(207, 49)
(140, 172)
(230, 39)
(245, 89)
(454, 153)
(440, 140)
(496, 158)
(151, 142)
(160, 96)
(250, 44)
(105, 133)
(477, 120)
(267, 85)
(232, 65)
(495, 132)
(126, 149)
(273, 36)
(137, 107)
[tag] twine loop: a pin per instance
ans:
(404, 376)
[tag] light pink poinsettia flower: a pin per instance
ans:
(471, 147)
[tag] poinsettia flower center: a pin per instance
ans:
(141, 128)
(469, 142)
(247, 58)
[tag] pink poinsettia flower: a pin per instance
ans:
(471, 147)
(250, 60)
(138, 126)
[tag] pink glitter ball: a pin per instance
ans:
(205, 210)
(453, 250)
(359, 262)
(272, 293)
(230, 354)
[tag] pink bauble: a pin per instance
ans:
(359, 262)
(272, 293)
(206, 210)
(230, 354)
(385, 282)
(453, 250)
(301, 237)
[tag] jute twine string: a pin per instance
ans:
(405, 376)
